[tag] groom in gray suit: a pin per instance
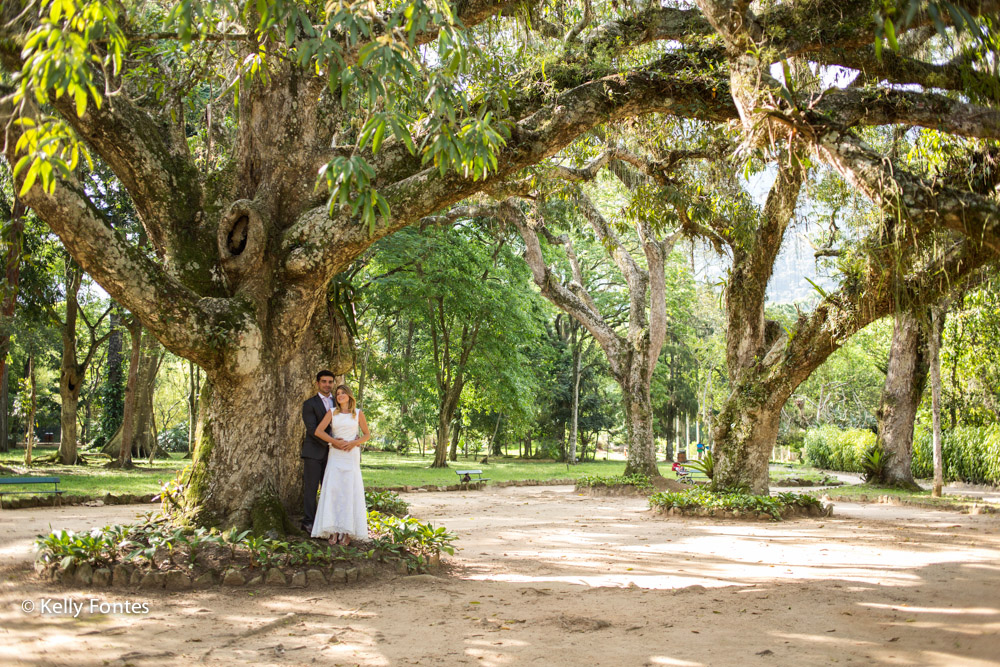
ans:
(314, 450)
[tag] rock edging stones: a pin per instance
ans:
(745, 515)
(131, 577)
(616, 490)
(63, 500)
(975, 508)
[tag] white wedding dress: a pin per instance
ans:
(342, 494)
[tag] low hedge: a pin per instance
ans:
(701, 498)
(640, 482)
(971, 454)
(831, 448)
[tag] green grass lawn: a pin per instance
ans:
(379, 469)
(780, 471)
(94, 479)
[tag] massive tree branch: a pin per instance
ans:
(902, 195)
(923, 109)
(181, 320)
(148, 155)
(317, 241)
(566, 299)
(753, 263)
(656, 256)
(899, 69)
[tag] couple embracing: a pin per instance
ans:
(331, 453)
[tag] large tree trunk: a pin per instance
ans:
(456, 435)
(142, 437)
(12, 274)
(446, 412)
(746, 430)
(639, 431)
(577, 346)
(71, 374)
(905, 377)
(934, 349)
(128, 418)
(247, 469)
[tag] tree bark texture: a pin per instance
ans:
(29, 438)
(71, 374)
(250, 431)
(905, 378)
(934, 354)
(631, 357)
(128, 418)
(446, 413)
(577, 347)
(456, 435)
(13, 244)
(143, 437)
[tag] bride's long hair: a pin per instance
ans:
(350, 404)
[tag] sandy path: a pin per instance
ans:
(549, 577)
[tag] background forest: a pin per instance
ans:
(448, 316)
(557, 230)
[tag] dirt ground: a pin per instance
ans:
(546, 576)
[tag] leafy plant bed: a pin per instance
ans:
(157, 555)
(704, 503)
(615, 485)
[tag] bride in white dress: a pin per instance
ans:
(341, 514)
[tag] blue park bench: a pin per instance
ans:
(6, 482)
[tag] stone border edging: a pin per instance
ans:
(975, 508)
(62, 500)
(719, 513)
(615, 491)
(129, 577)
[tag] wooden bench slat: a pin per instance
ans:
(29, 480)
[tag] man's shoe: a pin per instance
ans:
(306, 527)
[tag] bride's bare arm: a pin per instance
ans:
(365, 433)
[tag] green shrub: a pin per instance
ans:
(386, 502)
(922, 461)
(174, 439)
(158, 545)
(971, 454)
(743, 502)
(873, 463)
(834, 449)
(640, 482)
(705, 466)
